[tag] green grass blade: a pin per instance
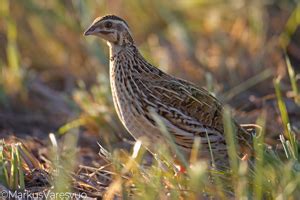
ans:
(3, 167)
(293, 81)
(285, 120)
(259, 158)
(230, 140)
(230, 135)
(281, 106)
(21, 182)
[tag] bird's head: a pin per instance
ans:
(111, 28)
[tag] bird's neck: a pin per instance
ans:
(123, 55)
(127, 60)
(118, 55)
(116, 49)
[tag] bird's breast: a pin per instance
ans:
(128, 105)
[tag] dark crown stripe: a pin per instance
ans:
(113, 17)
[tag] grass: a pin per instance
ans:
(293, 81)
(223, 45)
(291, 144)
(12, 76)
(262, 180)
(11, 161)
(132, 179)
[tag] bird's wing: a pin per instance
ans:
(192, 102)
(187, 111)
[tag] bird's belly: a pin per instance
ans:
(135, 123)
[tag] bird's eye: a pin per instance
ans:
(108, 25)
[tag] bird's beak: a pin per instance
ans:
(89, 31)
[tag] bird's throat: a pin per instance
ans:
(114, 50)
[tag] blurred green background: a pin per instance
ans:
(53, 78)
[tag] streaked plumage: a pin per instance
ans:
(139, 88)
